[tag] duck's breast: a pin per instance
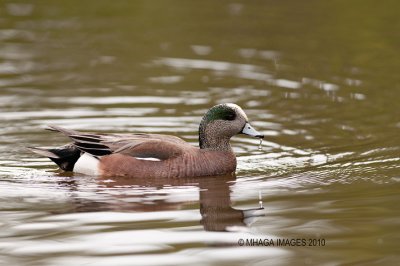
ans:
(202, 163)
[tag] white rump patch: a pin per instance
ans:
(148, 159)
(87, 164)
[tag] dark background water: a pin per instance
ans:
(318, 78)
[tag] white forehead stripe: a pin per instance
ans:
(238, 109)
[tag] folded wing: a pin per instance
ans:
(143, 146)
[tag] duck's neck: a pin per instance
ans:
(214, 144)
(209, 139)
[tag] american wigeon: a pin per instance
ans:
(154, 155)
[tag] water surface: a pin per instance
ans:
(320, 80)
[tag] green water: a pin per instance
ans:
(319, 78)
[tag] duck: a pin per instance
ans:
(142, 155)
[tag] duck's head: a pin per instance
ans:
(222, 122)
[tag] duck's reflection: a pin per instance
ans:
(216, 205)
(214, 199)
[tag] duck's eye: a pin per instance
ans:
(230, 117)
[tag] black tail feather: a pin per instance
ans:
(65, 157)
(43, 152)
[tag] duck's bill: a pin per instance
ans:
(249, 130)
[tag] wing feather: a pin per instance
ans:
(140, 145)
